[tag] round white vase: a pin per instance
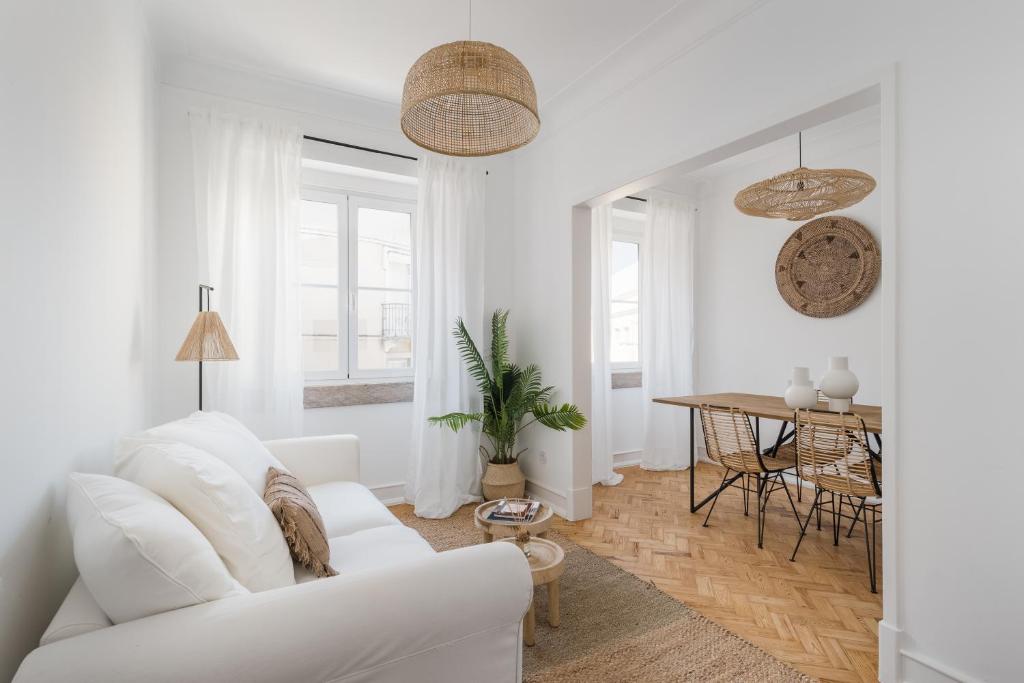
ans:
(801, 392)
(839, 384)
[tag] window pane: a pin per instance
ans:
(625, 281)
(319, 353)
(384, 330)
(318, 259)
(319, 217)
(385, 248)
(625, 297)
(625, 324)
(320, 328)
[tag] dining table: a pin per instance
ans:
(757, 406)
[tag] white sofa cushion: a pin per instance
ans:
(236, 521)
(221, 436)
(348, 507)
(138, 555)
(78, 614)
(373, 549)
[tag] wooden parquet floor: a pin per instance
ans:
(817, 614)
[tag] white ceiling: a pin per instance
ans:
(366, 47)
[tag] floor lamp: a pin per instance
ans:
(207, 340)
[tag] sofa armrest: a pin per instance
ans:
(319, 459)
(454, 616)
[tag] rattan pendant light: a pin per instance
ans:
(804, 193)
(469, 98)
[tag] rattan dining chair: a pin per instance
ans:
(730, 442)
(833, 454)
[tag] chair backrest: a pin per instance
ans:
(832, 452)
(729, 438)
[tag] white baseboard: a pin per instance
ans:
(553, 499)
(889, 653)
(390, 494)
(626, 459)
(920, 668)
(580, 503)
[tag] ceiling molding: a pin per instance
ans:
(674, 35)
(260, 88)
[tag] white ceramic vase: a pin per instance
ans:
(839, 384)
(801, 392)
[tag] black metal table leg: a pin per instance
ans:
(693, 508)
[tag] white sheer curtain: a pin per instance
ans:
(666, 328)
(247, 178)
(448, 254)
(600, 347)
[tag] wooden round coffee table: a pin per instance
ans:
(547, 563)
(492, 530)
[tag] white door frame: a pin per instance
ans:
(878, 88)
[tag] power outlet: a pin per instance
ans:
(543, 457)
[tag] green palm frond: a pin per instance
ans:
(471, 357)
(499, 345)
(456, 421)
(560, 418)
(510, 394)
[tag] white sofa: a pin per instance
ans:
(397, 611)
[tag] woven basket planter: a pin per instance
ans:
(503, 481)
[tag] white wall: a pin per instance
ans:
(952, 597)
(77, 195)
(747, 337)
(384, 430)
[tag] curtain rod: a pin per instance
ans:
(639, 199)
(371, 150)
(359, 147)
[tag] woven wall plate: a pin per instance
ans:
(828, 266)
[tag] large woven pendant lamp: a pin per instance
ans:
(469, 99)
(804, 193)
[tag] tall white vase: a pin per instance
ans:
(801, 393)
(839, 384)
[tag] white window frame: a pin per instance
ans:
(628, 226)
(348, 204)
(356, 202)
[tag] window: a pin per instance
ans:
(624, 289)
(356, 276)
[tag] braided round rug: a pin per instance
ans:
(828, 266)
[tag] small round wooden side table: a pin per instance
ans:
(547, 563)
(492, 530)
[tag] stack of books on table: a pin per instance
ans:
(514, 511)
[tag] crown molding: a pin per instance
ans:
(260, 88)
(675, 34)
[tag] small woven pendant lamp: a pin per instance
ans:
(469, 98)
(804, 193)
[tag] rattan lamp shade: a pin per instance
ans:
(804, 193)
(469, 99)
(207, 340)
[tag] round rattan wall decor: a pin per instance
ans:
(828, 267)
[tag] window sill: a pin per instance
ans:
(627, 379)
(356, 393)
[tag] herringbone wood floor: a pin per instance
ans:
(817, 614)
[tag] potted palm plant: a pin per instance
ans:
(511, 394)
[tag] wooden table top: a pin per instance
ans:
(547, 559)
(772, 407)
(540, 523)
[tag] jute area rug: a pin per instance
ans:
(616, 627)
